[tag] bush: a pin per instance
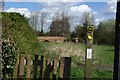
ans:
(8, 58)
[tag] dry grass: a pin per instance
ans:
(102, 54)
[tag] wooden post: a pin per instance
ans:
(48, 69)
(61, 72)
(55, 68)
(42, 67)
(28, 67)
(67, 67)
(116, 72)
(21, 68)
(48, 62)
(89, 52)
(15, 73)
(35, 67)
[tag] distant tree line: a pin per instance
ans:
(60, 26)
(104, 33)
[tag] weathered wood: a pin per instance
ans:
(67, 67)
(48, 70)
(28, 67)
(54, 68)
(42, 67)
(39, 62)
(89, 52)
(48, 61)
(15, 73)
(35, 67)
(21, 68)
(61, 72)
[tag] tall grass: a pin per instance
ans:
(102, 55)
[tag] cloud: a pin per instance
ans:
(98, 20)
(22, 11)
(80, 9)
(75, 10)
(110, 8)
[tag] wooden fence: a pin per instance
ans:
(58, 68)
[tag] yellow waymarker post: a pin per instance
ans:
(89, 52)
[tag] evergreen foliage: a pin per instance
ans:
(17, 29)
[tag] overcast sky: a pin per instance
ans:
(100, 10)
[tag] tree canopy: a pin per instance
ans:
(60, 26)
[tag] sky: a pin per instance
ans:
(100, 10)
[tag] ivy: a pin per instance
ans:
(8, 59)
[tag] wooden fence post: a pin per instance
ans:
(61, 72)
(42, 67)
(67, 67)
(48, 70)
(35, 67)
(55, 68)
(28, 67)
(15, 73)
(21, 68)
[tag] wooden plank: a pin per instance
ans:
(48, 61)
(21, 68)
(54, 68)
(28, 67)
(35, 67)
(15, 73)
(48, 70)
(67, 67)
(42, 67)
(39, 62)
(61, 72)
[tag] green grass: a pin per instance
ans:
(101, 74)
(77, 72)
(103, 55)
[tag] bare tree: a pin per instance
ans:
(34, 20)
(87, 19)
(60, 25)
(42, 20)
